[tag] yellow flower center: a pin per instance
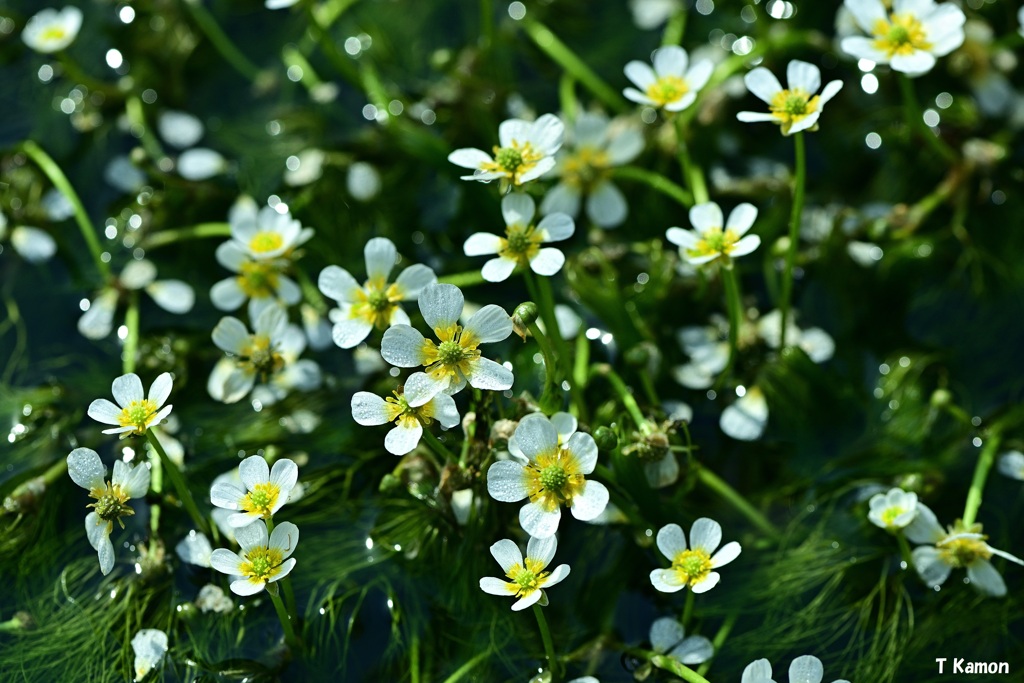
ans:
(791, 106)
(513, 161)
(901, 35)
(259, 356)
(526, 580)
(262, 499)
(454, 356)
(962, 552)
(667, 89)
(111, 503)
(261, 564)
(584, 169)
(400, 412)
(137, 414)
(521, 243)
(258, 279)
(554, 479)
(265, 242)
(376, 301)
(53, 33)
(692, 566)
(714, 241)
(889, 515)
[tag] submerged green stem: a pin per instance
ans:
(687, 610)
(191, 232)
(734, 304)
(463, 670)
(550, 401)
(60, 181)
(655, 181)
(549, 646)
(675, 28)
(794, 234)
(131, 340)
(177, 481)
(692, 173)
(981, 470)
(669, 664)
(439, 448)
(283, 616)
(626, 397)
(731, 496)
(719, 640)
(466, 279)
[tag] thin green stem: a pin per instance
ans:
(675, 28)
(227, 49)
(668, 664)
(734, 304)
(655, 181)
(719, 640)
(466, 279)
(687, 610)
(156, 483)
(414, 659)
(626, 397)
(487, 22)
(463, 670)
(60, 181)
(731, 496)
(692, 173)
(192, 232)
(981, 470)
(177, 481)
(439, 448)
(904, 549)
(549, 646)
(550, 400)
(137, 118)
(319, 27)
(567, 59)
(310, 291)
(283, 616)
(131, 340)
(916, 122)
(794, 234)
(567, 95)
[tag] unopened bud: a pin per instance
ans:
(525, 315)
(606, 439)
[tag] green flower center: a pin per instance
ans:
(963, 552)
(264, 242)
(509, 158)
(137, 414)
(450, 353)
(796, 105)
(258, 279)
(527, 579)
(667, 89)
(111, 503)
(261, 564)
(692, 566)
(261, 499)
(554, 478)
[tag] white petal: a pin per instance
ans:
(227, 295)
(803, 75)
(742, 218)
(246, 587)
(179, 129)
(866, 13)
(547, 261)
(528, 601)
(226, 495)
(350, 333)
(542, 550)
(413, 279)
(745, 420)
(745, 245)
(832, 89)
(195, 549)
(607, 206)
(200, 163)
(590, 502)
(254, 470)
(441, 305)
(369, 409)
(1012, 465)
(138, 274)
(925, 528)
(486, 374)
(493, 586)
(565, 424)
(806, 669)
(402, 346)
(104, 411)
(707, 583)
(403, 438)
(252, 536)
(584, 451)
(663, 472)
(172, 295)
(671, 540)
(32, 244)
(105, 550)
(127, 388)
(98, 321)
(231, 335)
(506, 481)
(557, 575)
(285, 474)
(512, 130)
(706, 535)
(421, 388)
(498, 269)
(755, 117)
(444, 410)
(817, 344)
(556, 226)
(706, 216)
(517, 209)
(699, 75)
(666, 633)
(762, 83)
(625, 146)
(641, 74)
(634, 95)
(482, 244)
(284, 538)
(536, 435)
(728, 552)
(469, 158)
(338, 284)
(914, 64)
(986, 579)
(561, 199)
(134, 481)
(507, 554)
(929, 565)
(670, 61)
(380, 254)
(537, 521)
(687, 239)
(160, 389)
(693, 650)
(490, 324)
(863, 48)
(759, 671)
(666, 581)
(86, 469)
(546, 134)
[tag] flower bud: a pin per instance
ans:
(606, 439)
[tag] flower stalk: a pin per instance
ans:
(656, 182)
(177, 481)
(734, 304)
(283, 616)
(915, 121)
(741, 504)
(981, 470)
(131, 340)
(794, 233)
(549, 646)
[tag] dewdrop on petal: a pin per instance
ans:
(135, 412)
(263, 558)
(527, 578)
(806, 669)
(265, 490)
(692, 566)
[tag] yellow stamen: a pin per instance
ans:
(554, 479)
(261, 499)
(137, 414)
(901, 35)
(521, 243)
(453, 357)
(399, 410)
(526, 580)
(376, 302)
(586, 168)
(261, 564)
(111, 503)
(792, 106)
(513, 161)
(691, 566)
(265, 242)
(714, 241)
(667, 89)
(258, 279)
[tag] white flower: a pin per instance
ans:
(456, 360)
(552, 476)
(747, 417)
(211, 598)
(692, 566)
(112, 497)
(521, 244)
(32, 244)
(668, 638)
(369, 409)
(267, 353)
(265, 234)
(525, 152)
(648, 14)
(263, 558)
(200, 163)
(565, 426)
(709, 240)
(266, 491)
(363, 181)
(796, 108)
(376, 302)
(174, 296)
(893, 510)
(815, 342)
(669, 84)
(195, 549)
(909, 36)
(954, 548)
(179, 129)
(596, 145)
(134, 412)
(527, 577)
(150, 646)
(806, 669)
(51, 30)
(1012, 465)
(708, 349)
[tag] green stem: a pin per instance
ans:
(156, 483)
(319, 27)
(668, 664)
(177, 481)
(567, 95)
(550, 400)
(137, 117)
(549, 646)
(414, 659)
(466, 279)
(692, 173)
(131, 340)
(283, 616)
(719, 640)
(626, 396)
(915, 120)
(487, 22)
(988, 454)
(794, 234)
(60, 181)
(905, 549)
(463, 670)
(310, 291)
(192, 232)
(227, 49)
(549, 43)
(656, 182)
(687, 610)
(729, 494)
(734, 303)
(439, 448)
(675, 28)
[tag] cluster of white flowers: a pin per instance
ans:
(805, 669)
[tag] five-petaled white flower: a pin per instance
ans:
(527, 577)
(263, 558)
(134, 412)
(266, 491)
(795, 108)
(692, 566)
(669, 84)
(552, 476)
(806, 669)
(525, 152)
(710, 240)
(265, 234)
(112, 497)
(893, 510)
(594, 145)
(369, 409)
(909, 36)
(954, 548)
(175, 296)
(669, 638)
(456, 360)
(266, 353)
(51, 30)
(32, 244)
(521, 244)
(149, 646)
(376, 302)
